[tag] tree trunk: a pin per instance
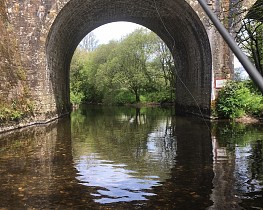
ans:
(137, 96)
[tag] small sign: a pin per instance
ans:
(220, 83)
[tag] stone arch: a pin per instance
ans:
(175, 22)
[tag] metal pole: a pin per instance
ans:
(249, 67)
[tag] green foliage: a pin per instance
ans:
(161, 96)
(123, 72)
(82, 83)
(230, 134)
(7, 114)
(15, 111)
(124, 97)
(250, 39)
(236, 99)
(76, 98)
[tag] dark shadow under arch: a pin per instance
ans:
(174, 22)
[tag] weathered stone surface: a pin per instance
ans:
(38, 39)
(222, 56)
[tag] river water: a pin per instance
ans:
(127, 158)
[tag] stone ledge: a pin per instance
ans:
(29, 122)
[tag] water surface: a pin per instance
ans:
(127, 158)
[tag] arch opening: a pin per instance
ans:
(130, 66)
(174, 22)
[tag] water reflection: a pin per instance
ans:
(238, 166)
(121, 158)
(125, 164)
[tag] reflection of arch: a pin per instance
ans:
(183, 33)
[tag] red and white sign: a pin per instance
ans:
(220, 83)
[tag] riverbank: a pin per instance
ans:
(249, 120)
(26, 122)
(13, 125)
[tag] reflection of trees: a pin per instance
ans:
(249, 174)
(257, 160)
(126, 136)
(190, 183)
(244, 148)
(230, 134)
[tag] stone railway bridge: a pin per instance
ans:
(38, 39)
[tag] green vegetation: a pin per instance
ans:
(7, 114)
(15, 111)
(15, 101)
(232, 133)
(242, 98)
(250, 39)
(238, 99)
(140, 69)
(137, 69)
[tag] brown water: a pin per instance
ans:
(126, 158)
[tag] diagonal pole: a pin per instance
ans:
(243, 59)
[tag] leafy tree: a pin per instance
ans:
(164, 61)
(77, 64)
(105, 62)
(250, 39)
(133, 54)
(125, 71)
(127, 66)
(82, 84)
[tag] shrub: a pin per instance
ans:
(236, 99)
(159, 96)
(9, 114)
(76, 98)
(124, 97)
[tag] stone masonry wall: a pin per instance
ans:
(174, 21)
(25, 86)
(30, 89)
(14, 88)
(222, 56)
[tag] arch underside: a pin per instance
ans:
(174, 22)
